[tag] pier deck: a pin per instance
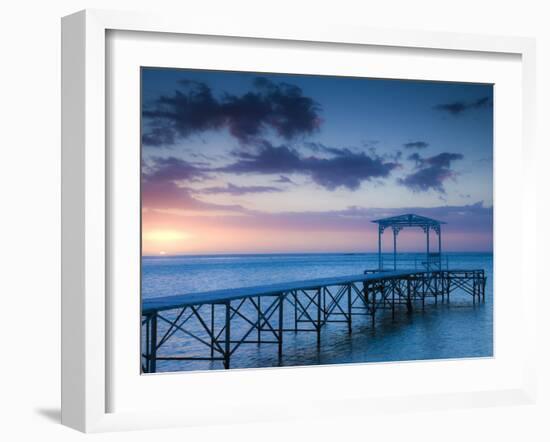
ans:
(221, 296)
(207, 317)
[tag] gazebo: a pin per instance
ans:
(396, 223)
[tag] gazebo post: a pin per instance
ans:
(428, 247)
(439, 245)
(394, 248)
(397, 223)
(379, 247)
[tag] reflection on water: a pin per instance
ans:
(454, 330)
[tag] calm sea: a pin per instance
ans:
(454, 330)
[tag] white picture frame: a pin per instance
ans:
(86, 208)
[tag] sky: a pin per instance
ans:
(244, 162)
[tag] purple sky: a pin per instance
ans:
(246, 162)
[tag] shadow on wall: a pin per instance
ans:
(51, 414)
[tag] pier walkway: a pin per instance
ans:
(265, 313)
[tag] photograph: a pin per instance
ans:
(292, 220)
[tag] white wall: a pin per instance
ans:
(30, 221)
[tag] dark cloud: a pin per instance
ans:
(171, 169)
(343, 169)
(317, 147)
(284, 180)
(233, 189)
(416, 158)
(396, 156)
(268, 159)
(431, 172)
(165, 185)
(159, 136)
(459, 107)
(167, 195)
(348, 169)
(160, 188)
(442, 160)
(416, 145)
(279, 107)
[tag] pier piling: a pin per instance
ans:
(153, 344)
(227, 353)
(350, 306)
(280, 337)
(318, 317)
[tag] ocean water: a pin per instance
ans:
(455, 330)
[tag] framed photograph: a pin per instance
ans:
(274, 222)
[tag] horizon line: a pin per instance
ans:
(165, 255)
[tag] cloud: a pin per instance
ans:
(278, 107)
(416, 145)
(317, 147)
(163, 186)
(284, 180)
(169, 196)
(457, 108)
(159, 136)
(166, 185)
(471, 218)
(431, 172)
(233, 189)
(321, 148)
(343, 169)
(170, 169)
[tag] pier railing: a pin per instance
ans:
(403, 261)
(216, 324)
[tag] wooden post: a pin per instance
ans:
(319, 317)
(380, 265)
(324, 304)
(373, 309)
(394, 249)
(428, 248)
(349, 308)
(259, 320)
(439, 245)
(227, 352)
(295, 294)
(153, 353)
(147, 345)
(212, 330)
(409, 301)
(281, 300)
(393, 301)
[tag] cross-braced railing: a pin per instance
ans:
(214, 325)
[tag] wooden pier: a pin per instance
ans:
(270, 311)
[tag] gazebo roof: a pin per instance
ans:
(408, 220)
